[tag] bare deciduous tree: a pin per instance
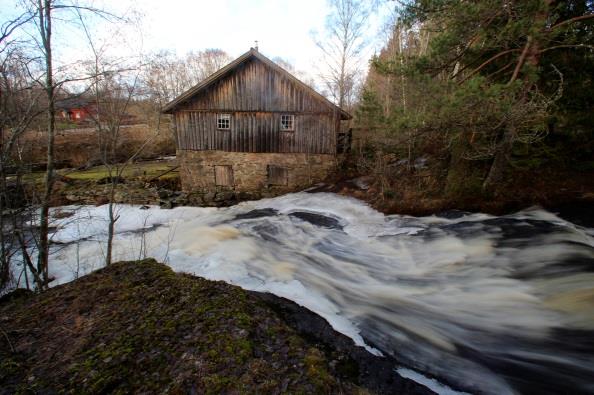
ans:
(204, 63)
(43, 15)
(301, 75)
(19, 107)
(113, 95)
(114, 86)
(342, 47)
(167, 75)
(37, 25)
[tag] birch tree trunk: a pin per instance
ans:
(45, 29)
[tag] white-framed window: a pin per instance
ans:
(224, 121)
(287, 122)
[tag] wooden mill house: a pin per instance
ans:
(252, 129)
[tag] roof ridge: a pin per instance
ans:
(169, 107)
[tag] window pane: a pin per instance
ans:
(287, 122)
(223, 121)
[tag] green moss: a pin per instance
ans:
(243, 349)
(243, 320)
(146, 170)
(316, 368)
(9, 367)
(215, 384)
(389, 194)
(138, 327)
(34, 176)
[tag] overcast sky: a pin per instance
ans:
(282, 27)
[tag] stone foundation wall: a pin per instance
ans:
(250, 174)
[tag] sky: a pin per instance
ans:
(283, 28)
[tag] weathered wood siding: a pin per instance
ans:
(255, 132)
(256, 96)
(254, 86)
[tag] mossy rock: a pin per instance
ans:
(139, 327)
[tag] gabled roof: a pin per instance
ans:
(72, 102)
(252, 53)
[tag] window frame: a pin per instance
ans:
(272, 168)
(223, 117)
(229, 174)
(291, 117)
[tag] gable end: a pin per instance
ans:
(253, 83)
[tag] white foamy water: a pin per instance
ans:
(487, 304)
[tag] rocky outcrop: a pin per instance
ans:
(137, 327)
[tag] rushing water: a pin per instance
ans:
(485, 304)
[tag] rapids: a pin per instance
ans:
(484, 304)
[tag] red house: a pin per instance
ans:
(75, 109)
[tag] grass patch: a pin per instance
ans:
(137, 170)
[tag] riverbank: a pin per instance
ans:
(419, 191)
(139, 327)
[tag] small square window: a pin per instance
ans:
(224, 175)
(287, 122)
(278, 175)
(224, 121)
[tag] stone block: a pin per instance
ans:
(250, 172)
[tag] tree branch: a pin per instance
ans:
(572, 20)
(522, 60)
(567, 46)
(485, 63)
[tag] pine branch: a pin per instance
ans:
(567, 46)
(488, 61)
(572, 20)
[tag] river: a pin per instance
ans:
(485, 304)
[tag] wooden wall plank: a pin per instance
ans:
(224, 175)
(256, 96)
(256, 132)
(254, 86)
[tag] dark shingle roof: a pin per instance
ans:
(72, 102)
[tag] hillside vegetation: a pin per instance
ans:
(482, 106)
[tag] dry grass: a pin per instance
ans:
(80, 147)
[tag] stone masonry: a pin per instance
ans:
(250, 174)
